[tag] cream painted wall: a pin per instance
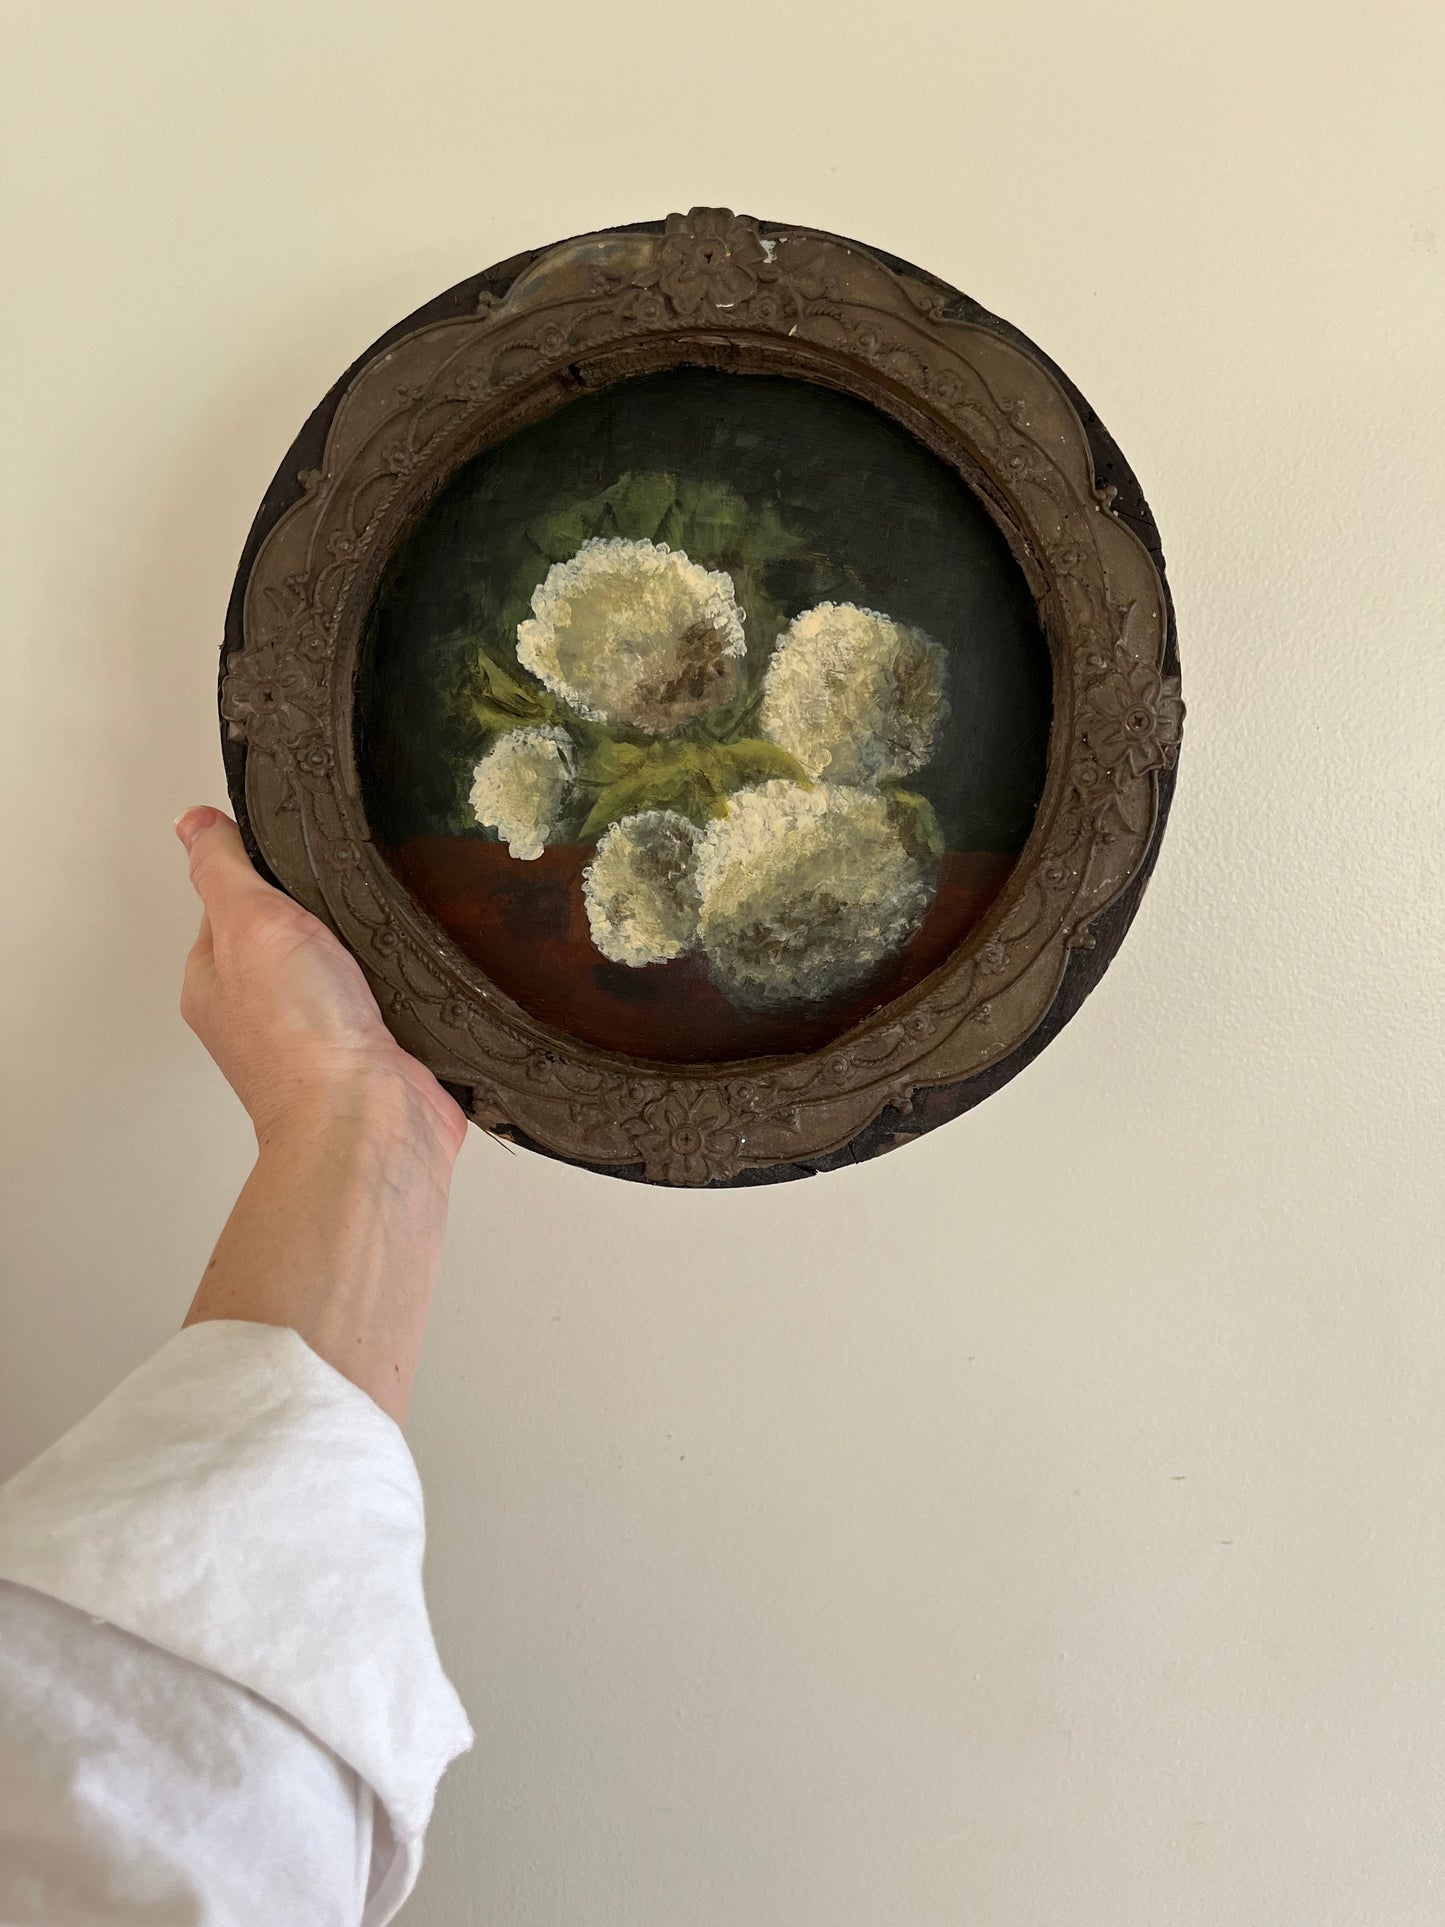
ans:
(891, 1547)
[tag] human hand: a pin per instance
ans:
(283, 1007)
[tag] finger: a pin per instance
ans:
(220, 869)
(191, 822)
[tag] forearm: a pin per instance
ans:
(338, 1235)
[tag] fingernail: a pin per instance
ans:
(190, 823)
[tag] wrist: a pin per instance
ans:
(384, 1108)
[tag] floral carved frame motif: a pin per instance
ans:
(514, 344)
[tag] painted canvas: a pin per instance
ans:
(705, 715)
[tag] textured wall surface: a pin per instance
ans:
(894, 1547)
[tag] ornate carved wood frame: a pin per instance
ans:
(516, 343)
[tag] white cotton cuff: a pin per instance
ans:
(238, 1503)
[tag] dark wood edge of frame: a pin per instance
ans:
(466, 368)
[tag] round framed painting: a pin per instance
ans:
(721, 683)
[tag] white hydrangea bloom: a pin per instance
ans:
(855, 696)
(520, 785)
(804, 891)
(639, 889)
(635, 633)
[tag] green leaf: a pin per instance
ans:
(634, 506)
(561, 533)
(670, 530)
(694, 778)
(755, 760)
(509, 685)
(604, 760)
(920, 823)
(640, 504)
(714, 520)
(669, 774)
(492, 719)
(501, 698)
(647, 789)
(769, 539)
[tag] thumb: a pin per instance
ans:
(220, 869)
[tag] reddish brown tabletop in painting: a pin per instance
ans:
(525, 926)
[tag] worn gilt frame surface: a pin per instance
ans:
(713, 289)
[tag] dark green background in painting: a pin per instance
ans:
(877, 520)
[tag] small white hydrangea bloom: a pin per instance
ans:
(520, 785)
(804, 892)
(855, 696)
(640, 891)
(635, 633)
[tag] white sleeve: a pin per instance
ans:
(220, 1700)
